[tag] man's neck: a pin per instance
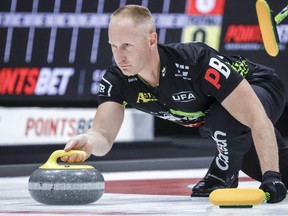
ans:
(151, 75)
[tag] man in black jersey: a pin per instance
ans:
(232, 100)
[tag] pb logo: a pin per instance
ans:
(212, 75)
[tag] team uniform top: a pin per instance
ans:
(192, 77)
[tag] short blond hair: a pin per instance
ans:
(139, 14)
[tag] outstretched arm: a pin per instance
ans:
(99, 139)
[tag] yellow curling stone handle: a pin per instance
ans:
(52, 161)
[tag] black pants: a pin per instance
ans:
(235, 147)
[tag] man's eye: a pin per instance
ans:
(125, 45)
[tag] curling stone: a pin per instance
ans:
(55, 184)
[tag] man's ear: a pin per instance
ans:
(153, 39)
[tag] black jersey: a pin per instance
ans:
(192, 77)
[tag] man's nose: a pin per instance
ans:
(119, 55)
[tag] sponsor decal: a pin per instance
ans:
(183, 71)
(240, 67)
(212, 74)
(34, 81)
(132, 79)
(144, 97)
(184, 96)
(222, 159)
(105, 88)
(186, 119)
(163, 71)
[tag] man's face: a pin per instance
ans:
(130, 45)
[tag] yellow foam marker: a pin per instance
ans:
(267, 27)
(237, 197)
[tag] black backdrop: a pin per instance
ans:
(54, 52)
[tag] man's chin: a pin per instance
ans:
(128, 72)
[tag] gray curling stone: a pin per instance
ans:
(55, 184)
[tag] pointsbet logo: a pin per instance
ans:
(243, 34)
(56, 126)
(34, 81)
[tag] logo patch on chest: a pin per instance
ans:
(182, 71)
(144, 97)
(184, 96)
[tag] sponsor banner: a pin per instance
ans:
(35, 81)
(25, 126)
(40, 85)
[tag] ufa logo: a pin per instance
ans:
(185, 96)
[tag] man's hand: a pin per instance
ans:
(271, 183)
(80, 142)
